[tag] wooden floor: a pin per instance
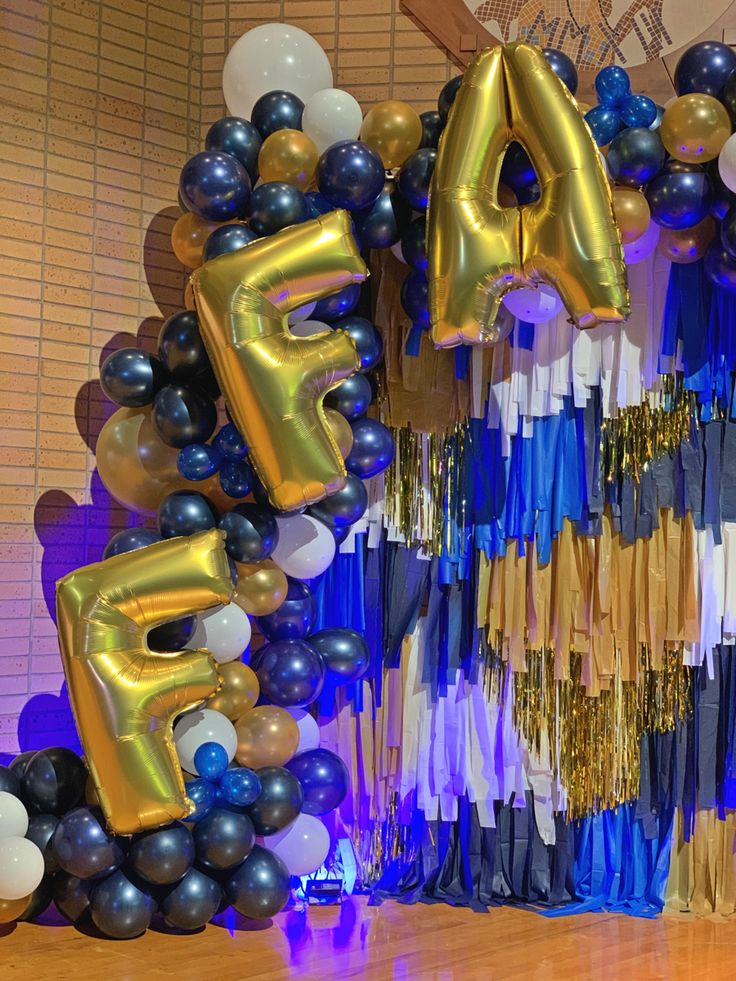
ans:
(390, 942)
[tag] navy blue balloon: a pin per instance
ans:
(279, 801)
(180, 346)
(277, 110)
(345, 652)
(128, 540)
(215, 186)
(720, 267)
(447, 96)
(338, 304)
(9, 781)
(41, 828)
(198, 461)
(239, 138)
(223, 838)
(185, 513)
(39, 901)
(432, 127)
(131, 377)
(414, 244)
(635, 156)
(367, 339)
(381, 225)
(415, 177)
(723, 197)
(612, 85)
(240, 786)
(211, 760)
(192, 902)
(415, 297)
(183, 415)
(563, 67)
(350, 175)
(162, 856)
(517, 170)
(323, 777)
(120, 909)
(202, 794)
(259, 888)
(296, 616)
(372, 450)
(252, 532)
(227, 238)
(318, 204)
(528, 195)
(71, 895)
(290, 673)
(53, 781)
(230, 442)
(276, 205)
(236, 478)
(705, 67)
(351, 398)
(83, 847)
(680, 199)
(638, 110)
(344, 507)
(658, 119)
(604, 123)
(173, 636)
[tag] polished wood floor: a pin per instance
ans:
(407, 943)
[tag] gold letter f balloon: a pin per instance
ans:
(478, 250)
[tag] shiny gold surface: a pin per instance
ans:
(261, 587)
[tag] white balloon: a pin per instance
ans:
(727, 163)
(225, 632)
(330, 116)
(273, 56)
(13, 816)
(308, 729)
(21, 867)
(535, 306)
(203, 726)
(302, 313)
(642, 247)
(308, 328)
(305, 547)
(302, 846)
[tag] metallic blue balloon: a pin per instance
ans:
(517, 170)
(202, 794)
(705, 67)
(211, 760)
(230, 442)
(173, 636)
(259, 888)
(162, 856)
(240, 786)
(53, 781)
(635, 156)
(723, 197)
(381, 225)
(415, 297)
(236, 478)
(215, 186)
(318, 205)
(128, 540)
(185, 513)
(40, 899)
(345, 652)
(41, 828)
(338, 304)
(324, 779)
(119, 908)
(180, 346)
(563, 67)
(414, 244)
(276, 205)
(638, 110)
(447, 97)
(198, 461)
(277, 110)
(252, 532)
(658, 118)
(71, 895)
(192, 902)
(290, 673)
(9, 781)
(351, 398)
(82, 845)
(279, 801)
(296, 616)
(604, 122)
(183, 415)
(227, 238)
(680, 199)
(415, 177)
(528, 195)
(350, 175)
(720, 267)
(344, 507)
(223, 838)
(432, 127)
(612, 85)
(239, 138)
(372, 450)
(367, 339)
(131, 377)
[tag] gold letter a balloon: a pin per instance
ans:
(124, 695)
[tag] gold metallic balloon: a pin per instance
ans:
(695, 127)
(239, 691)
(274, 382)
(288, 155)
(125, 696)
(189, 297)
(267, 736)
(632, 213)
(341, 430)
(261, 587)
(189, 235)
(90, 792)
(394, 130)
(11, 909)
(479, 250)
(686, 245)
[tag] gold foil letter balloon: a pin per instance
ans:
(125, 696)
(274, 383)
(479, 250)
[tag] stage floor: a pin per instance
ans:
(390, 942)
